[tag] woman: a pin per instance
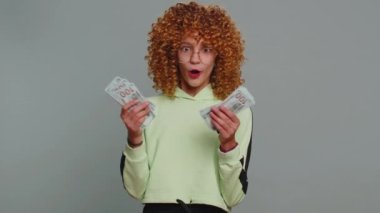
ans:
(177, 163)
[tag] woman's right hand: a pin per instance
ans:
(133, 115)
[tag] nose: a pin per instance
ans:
(195, 58)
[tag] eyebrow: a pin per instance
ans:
(190, 44)
(186, 43)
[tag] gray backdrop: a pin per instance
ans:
(312, 66)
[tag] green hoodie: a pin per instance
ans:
(180, 156)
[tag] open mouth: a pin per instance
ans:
(194, 73)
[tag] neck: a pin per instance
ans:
(192, 91)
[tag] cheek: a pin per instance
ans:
(210, 63)
(210, 66)
(181, 69)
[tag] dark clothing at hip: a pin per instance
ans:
(180, 208)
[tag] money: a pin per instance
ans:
(124, 91)
(237, 101)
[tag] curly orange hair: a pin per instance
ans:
(214, 26)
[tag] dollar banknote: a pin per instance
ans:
(124, 91)
(237, 101)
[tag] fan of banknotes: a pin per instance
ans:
(237, 101)
(123, 91)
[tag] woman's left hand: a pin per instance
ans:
(226, 123)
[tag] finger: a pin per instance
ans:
(127, 107)
(219, 113)
(231, 115)
(126, 111)
(220, 123)
(226, 128)
(130, 104)
(225, 120)
(141, 116)
(144, 112)
(219, 128)
(139, 107)
(141, 120)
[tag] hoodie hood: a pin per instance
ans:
(205, 94)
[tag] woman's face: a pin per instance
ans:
(196, 61)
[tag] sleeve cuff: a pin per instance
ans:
(135, 153)
(230, 156)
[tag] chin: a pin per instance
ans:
(194, 84)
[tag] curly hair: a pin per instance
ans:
(214, 26)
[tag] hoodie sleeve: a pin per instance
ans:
(134, 170)
(233, 164)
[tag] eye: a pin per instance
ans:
(207, 50)
(185, 49)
